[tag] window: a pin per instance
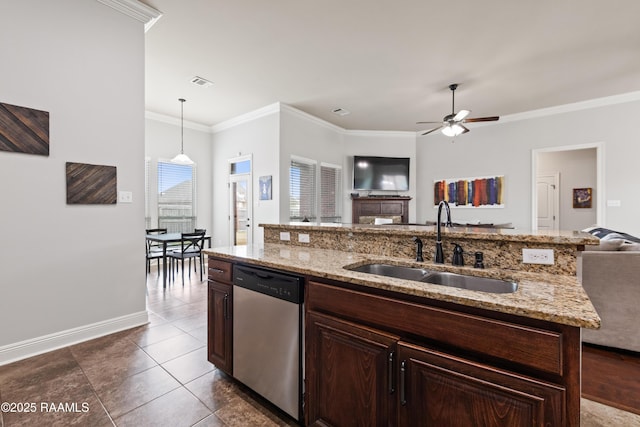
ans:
(330, 193)
(305, 186)
(176, 197)
(302, 190)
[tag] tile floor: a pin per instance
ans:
(153, 375)
(157, 375)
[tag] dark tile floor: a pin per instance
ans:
(153, 375)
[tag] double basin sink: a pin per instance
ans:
(455, 280)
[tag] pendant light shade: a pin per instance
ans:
(182, 159)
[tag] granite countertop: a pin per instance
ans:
(567, 237)
(554, 298)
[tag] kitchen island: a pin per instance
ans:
(387, 351)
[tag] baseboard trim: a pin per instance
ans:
(32, 347)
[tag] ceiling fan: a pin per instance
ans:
(452, 124)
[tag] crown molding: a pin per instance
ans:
(311, 118)
(136, 10)
(247, 117)
(561, 109)
(176, 122)
(568, 108)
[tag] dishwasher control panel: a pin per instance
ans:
(269, 282)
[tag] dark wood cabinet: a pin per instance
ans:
(438, 389)
(220, 316)
(379, 207)
(351, 379)
(417, 362)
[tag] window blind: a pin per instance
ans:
(330, 193)
(302, 190)
(176, 197)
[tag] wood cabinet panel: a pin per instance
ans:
(438, 389)
(527, 346)
(350, 374)
(383, 206)
(220, 326)
(220, 271)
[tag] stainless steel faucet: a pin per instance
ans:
(439, 253)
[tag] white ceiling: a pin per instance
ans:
(388, 62)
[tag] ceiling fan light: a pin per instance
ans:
(453, 130)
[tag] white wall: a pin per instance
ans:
(505, 148)
(259, 137)
(162, 141)
(70, 268)
(305, 136)
(577, 169)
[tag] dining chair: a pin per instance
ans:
(190, 247)
(154, 249)
(200, 230)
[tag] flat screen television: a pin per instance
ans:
(380, 173)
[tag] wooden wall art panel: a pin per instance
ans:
(91, 184)
(24, 130)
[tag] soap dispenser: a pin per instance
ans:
(458, 259)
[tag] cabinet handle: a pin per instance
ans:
(225, 306)
(216, 270)
(391, 384)
(403, 369)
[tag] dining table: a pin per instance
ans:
(165, 240)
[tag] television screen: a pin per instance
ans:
(380, 173)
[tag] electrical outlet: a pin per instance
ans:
(537, 256)
(285, 235)
(125, 197)
(303, 238)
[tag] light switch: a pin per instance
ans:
(125, 197)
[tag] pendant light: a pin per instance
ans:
(182, 159)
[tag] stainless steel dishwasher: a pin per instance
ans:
(267, 335)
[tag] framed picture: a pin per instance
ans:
(265, 187)
(91, 184)
(582, 197)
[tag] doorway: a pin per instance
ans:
(562, 159)
(240, 198)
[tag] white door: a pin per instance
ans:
(240, 197)
(548, 201)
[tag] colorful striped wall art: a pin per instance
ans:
(478, 192)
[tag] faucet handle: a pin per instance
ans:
(458, 259)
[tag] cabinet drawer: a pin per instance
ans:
(527, 346)
(220, 270)
(391, 208)
(370, 208)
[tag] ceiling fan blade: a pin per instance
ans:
(432, 130)
(482, 119)
(465, 129)
(421, 123)
(461, 115)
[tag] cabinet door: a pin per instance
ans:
(219, 326)
(436, 389)
(350, 374)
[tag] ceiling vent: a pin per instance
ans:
(340, 111)
(199, 81)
